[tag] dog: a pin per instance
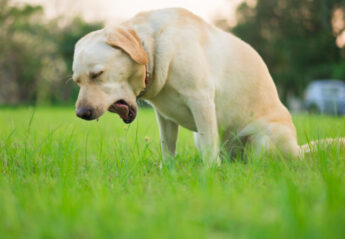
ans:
(194, 75)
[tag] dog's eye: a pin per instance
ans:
(94, 75)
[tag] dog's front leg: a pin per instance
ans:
(168, 131)
(204, 113)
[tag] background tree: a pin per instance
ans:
(36, 55)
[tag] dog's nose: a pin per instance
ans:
(84, 113)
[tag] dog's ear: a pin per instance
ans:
(128, 40)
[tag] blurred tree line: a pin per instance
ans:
(300, 40)
(36, 55)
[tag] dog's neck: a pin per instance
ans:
(152, 85)
(147, 75)
(147, 81)
(147, 72)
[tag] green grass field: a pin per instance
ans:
(62, 177)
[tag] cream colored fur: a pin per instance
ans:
(201, 78)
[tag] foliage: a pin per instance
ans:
(296, 38)
(61, 177)
(36, 54)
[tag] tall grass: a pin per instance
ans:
(62, 177)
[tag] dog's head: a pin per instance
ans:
(109, 68)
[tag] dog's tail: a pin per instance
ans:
(324, 143)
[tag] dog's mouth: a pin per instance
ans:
(126, 111)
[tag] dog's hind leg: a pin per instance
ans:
(273, 138)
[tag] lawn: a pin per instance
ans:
(61, 177)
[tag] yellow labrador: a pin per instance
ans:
(194, 74)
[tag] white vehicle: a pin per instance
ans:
(326, 97)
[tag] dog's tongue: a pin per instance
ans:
(121, 109)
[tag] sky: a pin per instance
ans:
(117, 10)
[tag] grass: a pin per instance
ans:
(62, 177)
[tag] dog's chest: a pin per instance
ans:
(170, 104)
